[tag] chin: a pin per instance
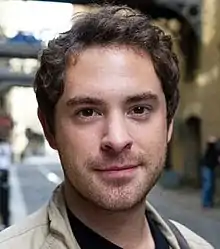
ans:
(117, 201)
(120, 207)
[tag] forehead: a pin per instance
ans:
(113, 71)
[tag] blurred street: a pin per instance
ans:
(33, 182)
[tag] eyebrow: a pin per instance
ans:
(141, 97)
(82, 100)
(86, 100)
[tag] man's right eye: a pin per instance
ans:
(87, 113)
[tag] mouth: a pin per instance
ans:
(117, 168)
(118, 172)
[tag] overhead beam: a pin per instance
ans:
(13, 77)
(6, 85)
(19, 50)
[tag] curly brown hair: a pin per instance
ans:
(105, 26)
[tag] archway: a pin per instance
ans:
(188, 14)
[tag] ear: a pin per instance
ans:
(49, 136)
(170, 131)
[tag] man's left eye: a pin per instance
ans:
(140, 111)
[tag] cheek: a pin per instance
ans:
(151, 133)
(76, 140)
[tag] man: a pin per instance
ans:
(107, 92)
(210, 161)
(5, 163)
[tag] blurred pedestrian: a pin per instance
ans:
(107, 92)
(5, 163)
(209, 162)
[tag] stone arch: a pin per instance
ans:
(187, 36)
(188, 14)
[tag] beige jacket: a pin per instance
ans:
(49, 228)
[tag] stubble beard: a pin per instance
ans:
(117, 197)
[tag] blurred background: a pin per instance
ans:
(33, 170)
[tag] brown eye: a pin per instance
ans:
(87, 112)
(140, 112)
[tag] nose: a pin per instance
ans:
(116, 138)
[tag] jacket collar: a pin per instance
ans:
(60, 226)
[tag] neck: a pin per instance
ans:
(127, 229)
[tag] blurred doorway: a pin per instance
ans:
(192, 149)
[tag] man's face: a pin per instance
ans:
(111, 128)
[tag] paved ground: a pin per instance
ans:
(184, 206)
(33, 182)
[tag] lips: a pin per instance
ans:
(117, 168)
(118, 173)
